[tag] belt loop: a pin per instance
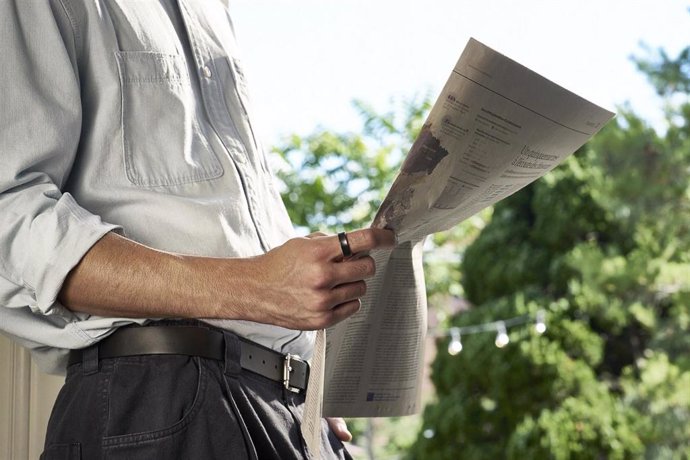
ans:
(90, 360)
(232, 354)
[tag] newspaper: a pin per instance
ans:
(496, 127)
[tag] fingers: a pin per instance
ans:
(339, 428)
(336, 305)
(308, 285)
(346, 299)
(363, 240)
(344, 311)
(352, 270)
(348, 292)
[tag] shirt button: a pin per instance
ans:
(206, 71)
(240, 159)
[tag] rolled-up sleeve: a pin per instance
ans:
(44, 232)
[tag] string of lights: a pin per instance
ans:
(500, 327)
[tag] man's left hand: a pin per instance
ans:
(339, 427)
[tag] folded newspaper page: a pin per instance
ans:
(496, 127)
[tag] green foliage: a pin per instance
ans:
(668, 75)
(659, 389)
(333, 180)
(597, 426)
(528, 228)
(603, 244)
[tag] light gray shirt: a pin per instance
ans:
(129, 116)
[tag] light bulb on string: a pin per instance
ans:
(455, 345)
(502, 338)
(540, 324)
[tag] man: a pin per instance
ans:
(133, 191)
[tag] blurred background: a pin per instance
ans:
(593, 260)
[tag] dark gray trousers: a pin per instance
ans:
(177, 407)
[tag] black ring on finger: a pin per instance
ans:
(344, 244)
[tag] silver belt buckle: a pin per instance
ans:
(287, 368)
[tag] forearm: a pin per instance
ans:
(303, 284)
(119, 277)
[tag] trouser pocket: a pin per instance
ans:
(152, 400)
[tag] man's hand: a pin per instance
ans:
(306, 283)
(339, 427)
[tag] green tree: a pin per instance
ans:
(337, 180)
(602, 243)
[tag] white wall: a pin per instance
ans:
(26, 399)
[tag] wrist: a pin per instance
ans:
(223, 288)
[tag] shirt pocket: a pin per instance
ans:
(163, 141)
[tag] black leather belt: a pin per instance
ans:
(289, 370)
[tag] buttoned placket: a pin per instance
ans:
(213, 99)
